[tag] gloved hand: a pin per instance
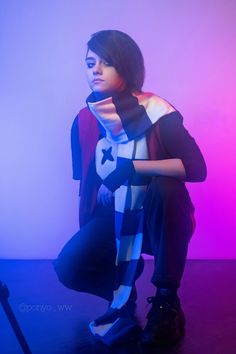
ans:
(124, 171)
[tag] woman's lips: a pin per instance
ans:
(95, 81)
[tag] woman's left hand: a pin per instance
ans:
(104, 195)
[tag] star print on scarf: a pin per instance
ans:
(107, 155)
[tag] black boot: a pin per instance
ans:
(166, 321)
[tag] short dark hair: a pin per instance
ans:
(122, 52)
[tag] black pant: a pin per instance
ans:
(87, 261)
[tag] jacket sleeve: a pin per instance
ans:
(178, 143)
(76, 150)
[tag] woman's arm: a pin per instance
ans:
(183, 158)
(180, 145)
(75, 150)
(169, 167)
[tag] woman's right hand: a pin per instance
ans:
(104, 196)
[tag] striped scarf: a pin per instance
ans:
(125, 118)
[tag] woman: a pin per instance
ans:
(132, 155)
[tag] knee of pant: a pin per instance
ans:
(164, 188)
(65, 272)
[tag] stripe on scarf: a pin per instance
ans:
(121, 295)
(129, 197)
(126, 273)
(132, 222)
(128, 223)
(141, 149)
(105, 112)
(110, 316)
(122, 327)
(134, 121)
(139, 180)
(130, 249)
(137, 196)
(104, 168)
(101, 330)
(155, 106)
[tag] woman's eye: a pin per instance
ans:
(90, 65)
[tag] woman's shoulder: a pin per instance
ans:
(83, 113)
(84, 116)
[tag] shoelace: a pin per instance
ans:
(161, 304)
(153, 300)
(150, 299)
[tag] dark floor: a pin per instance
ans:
(55, 319)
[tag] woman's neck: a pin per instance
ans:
(103, 95)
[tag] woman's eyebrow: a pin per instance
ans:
(89, 58)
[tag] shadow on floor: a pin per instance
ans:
(55, 319)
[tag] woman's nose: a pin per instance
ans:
(97, 69)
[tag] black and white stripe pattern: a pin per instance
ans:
(125, 119)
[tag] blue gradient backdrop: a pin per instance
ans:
(190, 56)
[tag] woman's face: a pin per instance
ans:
(101, 76)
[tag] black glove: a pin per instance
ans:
(124, 171)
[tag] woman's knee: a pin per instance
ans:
(168, 208)
(87, 252)
(69, 265)
(65, 271)
(166, 189)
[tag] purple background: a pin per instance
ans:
(190, 56)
